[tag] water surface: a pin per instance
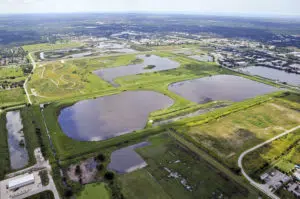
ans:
(110, 116)
(220, 87)
(18, 154)
(126, 160)
(109, 74)
(274, 74)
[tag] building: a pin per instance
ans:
(21, 181)
(297, 174)
(294, 188)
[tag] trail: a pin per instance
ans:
(29, 76)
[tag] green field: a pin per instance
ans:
(12, 97)
(141, 184)
(154, 180)
(273, 154)
(10, 72)
(94, 191)
(48, 46)
(58, 80)
(4, 152)
(226, 137)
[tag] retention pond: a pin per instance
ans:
(157, 63)
(274, 74)
(126, 160)
(111, 116)
(220, 87)
(17, 148)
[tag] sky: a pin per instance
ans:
(227, 7)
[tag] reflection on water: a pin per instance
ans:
(17, 150)
(110, 116)
(126, 160)
(109, 74)
(271, 73)
(220, 87)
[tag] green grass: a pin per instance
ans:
(256, 162)
(42, 195)
(226, 137)
(140, 184)
(9, 72)
(94, 191)
(4, 152)
(12, 97)
(48, 46)
(206, 181)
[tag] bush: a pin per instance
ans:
(101, 157)
(109, 175)
(77, 170)
(44, 177)
(100, 167)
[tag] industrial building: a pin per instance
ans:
(21, 181)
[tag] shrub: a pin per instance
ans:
(109, 175)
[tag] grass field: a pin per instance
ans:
(57, 80)
(141, 184)
(94, 191)
(226, 137)
(9, 72)
(12, 97)
(48, 46)
(4, 152)
(273, 154)
(165, 155)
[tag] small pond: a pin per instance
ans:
(220, 87)
(17, 150)
(111, 116)
(274, 74)
(109, 74)
(126, 160)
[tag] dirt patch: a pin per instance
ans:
(87, 174)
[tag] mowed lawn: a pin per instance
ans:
(229, 136)
(94, 191)
(12, 97)
(163, 156)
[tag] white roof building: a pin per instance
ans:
(21, 181)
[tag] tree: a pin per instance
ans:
(109, 175)
(78, 170)
(101, 157)
(100, 167)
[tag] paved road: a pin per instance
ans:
(262, 187)
(29, 76)
(50, 187)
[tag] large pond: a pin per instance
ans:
(126, 160)
(220, 87)
(17, 150)
(157, 64)
(271, 73)
(110, 116)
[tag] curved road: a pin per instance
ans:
(262, 187)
